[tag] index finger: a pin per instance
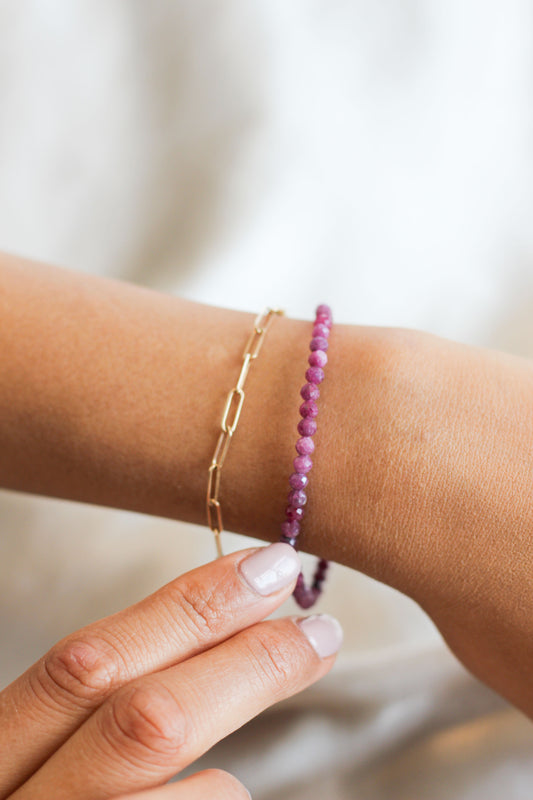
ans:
(198, 610)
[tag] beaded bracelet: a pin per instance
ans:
(307, 596)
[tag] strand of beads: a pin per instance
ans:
(306, 596)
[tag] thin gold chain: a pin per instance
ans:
(234, 402)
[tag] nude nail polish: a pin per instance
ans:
(323, 632)
(271, 568)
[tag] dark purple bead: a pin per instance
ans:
(305, 446)
(290, 529)
(323, 564)
(310, 391)
(309, 408)
(320, 330)
(297, 498)
(319, 343)
(302, 464)
(292, 540)
(306, 597)
(314, 375)
(307, 427)
(317, 358)
(294, 513)
(298, 481)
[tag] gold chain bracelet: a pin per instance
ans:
(234, 399)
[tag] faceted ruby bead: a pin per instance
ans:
(297, 498)
(319, 343)
(320, 330)
(290, 529)
(310, 391)
(298, 480)
(314, 375)
(309, 409)
(305, 446)
(306, 597)
(294, 513)
(323, 308)
(317, 358)
(324, 319)
(302, 464)
(307, 427)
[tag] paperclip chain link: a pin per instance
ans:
(230, 420)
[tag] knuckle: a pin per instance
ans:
(200, 608)
(82, 670)
(146, 724)
(227, 786)
(275, 660)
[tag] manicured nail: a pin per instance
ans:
(324, 633)
(271, 568)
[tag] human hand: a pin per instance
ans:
(129, 701)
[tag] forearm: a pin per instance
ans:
(112, 394)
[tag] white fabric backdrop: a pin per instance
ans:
(373, 155)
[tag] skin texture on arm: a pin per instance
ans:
(112, 394)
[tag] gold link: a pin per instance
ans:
(231, 428)
(213, 483)
(251, 351)
(221, 450)
(262, 323)
(214, 504)
(255, 339)
(244, 371)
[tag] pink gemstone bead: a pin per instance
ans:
(298, 480)
(307, 427)
(305, 446)
(314, 375)
(319, 343)
(294, 513)
(321, 330)
(309, 408)
(318, 358)
(323, 308)
(302, 464)
(290, 529)
(310, 391)
(297, 497)
(321, 319)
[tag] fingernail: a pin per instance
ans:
(324, 633)
(271, 568)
